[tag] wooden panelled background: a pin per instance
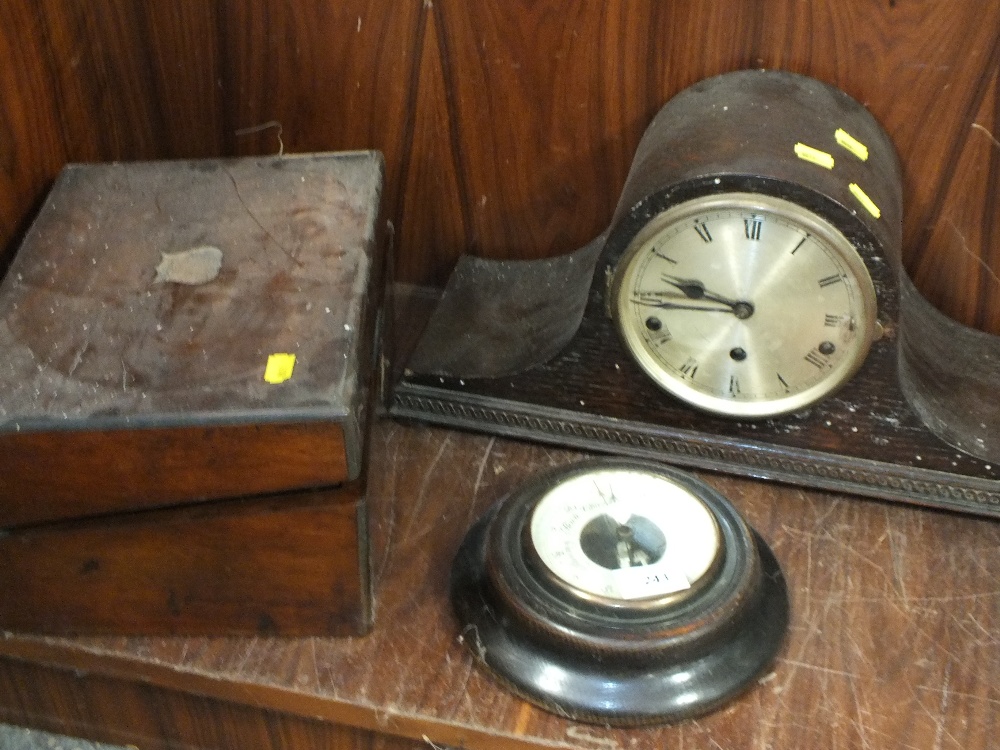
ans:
(508, 125)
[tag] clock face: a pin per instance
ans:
(744, 305)
(624, 537)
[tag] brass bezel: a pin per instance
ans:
(818, 227)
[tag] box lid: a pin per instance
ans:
(190, 329)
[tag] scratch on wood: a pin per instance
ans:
(860, 652)
(78, 358)
(817, 668)
(807, 614)
(270, 124)
(421, 498)
(991, 638)
(462, 691)
(956, 694)
(826, 536)
(860, 723)
(250, 647)
(942, 709)
(315, 662)
(897, 560)
(253, 216)
(586, 735)
(790, 674)
(967, 251)
(981, 128)
(478, 646)
(389, 516)
(482, 468)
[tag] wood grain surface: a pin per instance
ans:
(56, 475)
(892, 642)
(508, 125)
(122, 390)
(287, 564)
(136, 715)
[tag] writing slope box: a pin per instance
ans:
(179, 332)
(292, 564)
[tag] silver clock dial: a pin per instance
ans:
(744, 305)
(624, 537)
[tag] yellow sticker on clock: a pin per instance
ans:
(279, 367)
(852, 144)
(814, 155)
(864, 200)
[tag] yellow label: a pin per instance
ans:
(864, 200)
(279, 368)
(852, 144)
(814, 155)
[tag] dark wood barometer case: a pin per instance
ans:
(188, 357)
(745, 311)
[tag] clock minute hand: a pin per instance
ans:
(681, 306)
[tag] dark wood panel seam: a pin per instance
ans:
(254, 503)
(51, 56)
(454, 129)
(955, 155)
(158, 125)
(227, 137)
(984, 311)
(412, 94)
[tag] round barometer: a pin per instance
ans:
(620, 592)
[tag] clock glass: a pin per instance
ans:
(743, 304)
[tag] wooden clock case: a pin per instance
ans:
(528, 349)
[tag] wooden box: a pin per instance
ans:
(188, 358)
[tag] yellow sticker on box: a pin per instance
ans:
(279, 367)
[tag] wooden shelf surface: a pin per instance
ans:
(893, 641)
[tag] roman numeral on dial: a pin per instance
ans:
(734, 386)
(816, 359)
(835, 278)
(689, 368)
(752, 227)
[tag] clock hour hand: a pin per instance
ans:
(694, 289)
